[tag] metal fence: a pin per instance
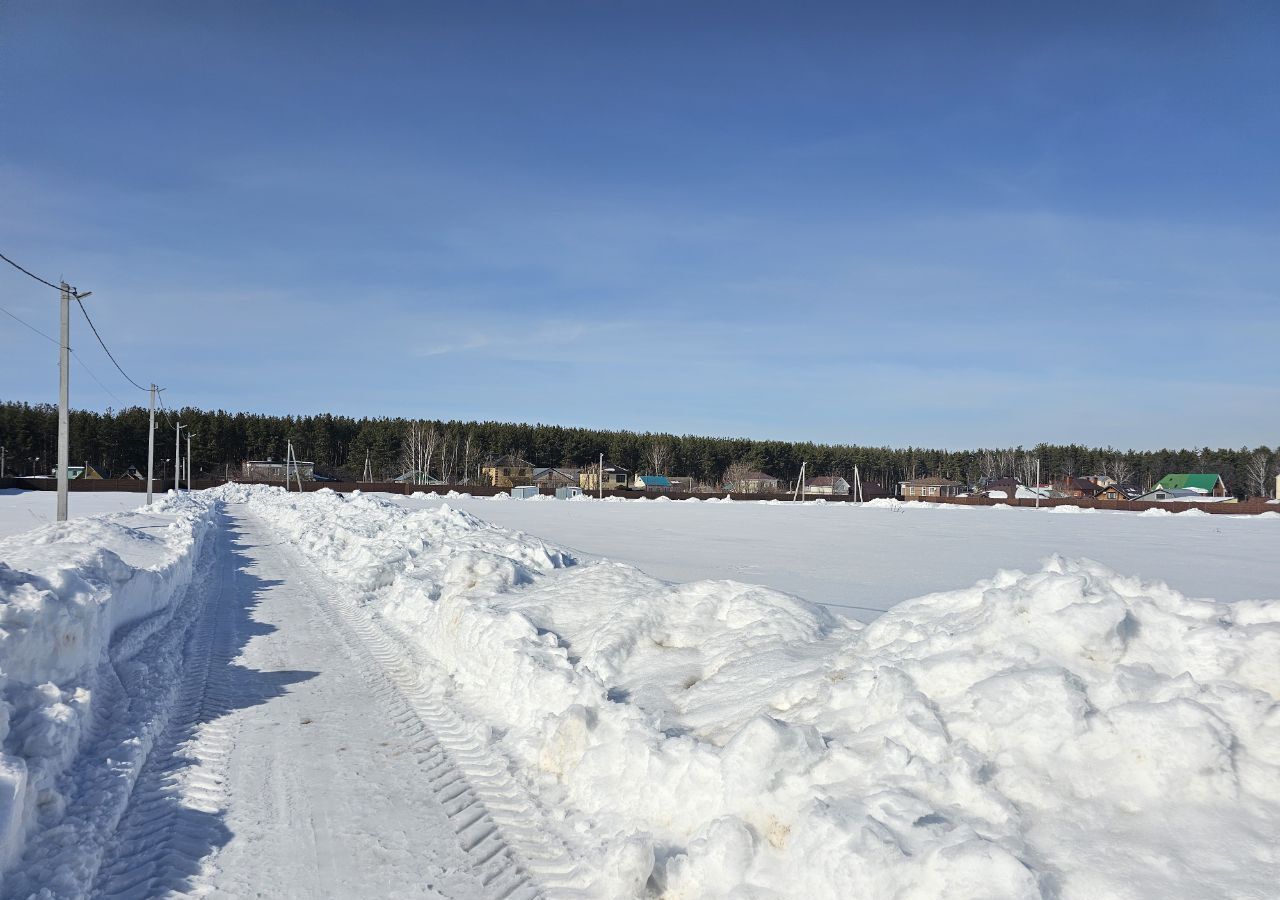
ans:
(1251, 507)
(1242, 508)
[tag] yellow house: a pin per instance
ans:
(614, 477)
(507, 472)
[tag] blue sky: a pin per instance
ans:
(937, 224)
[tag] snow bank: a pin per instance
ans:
(1069, 733)
(65, 590)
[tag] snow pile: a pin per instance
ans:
(65, 590)
(901, 505)
(1068, 733)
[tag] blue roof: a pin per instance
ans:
(655, 481)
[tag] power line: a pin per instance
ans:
(84, 366)
(92, 327)
(56, 287)
(28, 325)
(104, 347)
(52, 340)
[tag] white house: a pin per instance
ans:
(1182, 495)
(827, 485)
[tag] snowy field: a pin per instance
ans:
(251, 692)
(24, 510)
(857, 561)
(862, 560)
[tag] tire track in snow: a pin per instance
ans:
(173, 820)
(515, 855)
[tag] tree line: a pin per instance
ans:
(116, 440)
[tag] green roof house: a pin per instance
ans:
(1203, 482)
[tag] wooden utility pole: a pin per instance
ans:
(188, 460)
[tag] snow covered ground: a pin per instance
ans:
(24, 510)
(860, 560)
(402, 696)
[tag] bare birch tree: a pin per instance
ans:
(987, 466)
(470, 452)
(1121, 471)
(417, 449)
(1027, 469)
(1257, 473)
(1006, 463)
(448, 456)
(659, 456)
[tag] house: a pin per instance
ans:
(754, 483)
(507, 472)
(83, 473)
(1202, 482)
(651, 483)
(930, 488)
(1085, 487)
(615, 477)
(555, 477)
(274, 470)
(828, 485)
(1181, 495)
(1117, 492)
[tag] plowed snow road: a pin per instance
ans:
(289, 764)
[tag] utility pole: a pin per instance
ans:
(64, 401)
(188, 459)
(368, 467)
(177, 457)
(2, 451)
(1037, 482)
(600, 479)
(151, 444)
